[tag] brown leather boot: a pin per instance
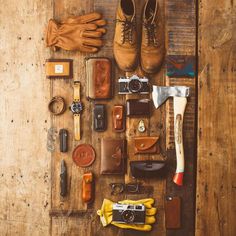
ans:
(152, 44)
(125, 45)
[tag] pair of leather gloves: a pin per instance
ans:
(105, 214)
(82, 33)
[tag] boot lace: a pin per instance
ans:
(150, 37)
(127, 30)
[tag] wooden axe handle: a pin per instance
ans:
(179, 108)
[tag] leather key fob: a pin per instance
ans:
(63, 133)
(118, 118)
(87, 187)
(173, 212)
(99, 117)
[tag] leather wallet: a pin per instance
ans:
(100, 120)
(136, 107)
(59, 68)
(87, 188)
(98, 71)
(180, 66)
(142, 169)
(113, 154)
(146, 145)
(118, 118)
(173, 212)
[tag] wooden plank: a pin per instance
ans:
(102, 189)
(24, 160)
(181, 40)
(216, 192)
(108, 9)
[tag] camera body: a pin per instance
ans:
(134, 84)
(128, 213)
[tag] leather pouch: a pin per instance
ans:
(180, 66)
(98, 71)
(118, 118)
(173, 212)
(113, 153)
(59, 68)
(87, 187)
(100, 120)
(136, 107)
(142, 169)
(146, 145)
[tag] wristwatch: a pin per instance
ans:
(76, 108)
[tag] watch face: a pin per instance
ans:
(76, 107)
(135, 85)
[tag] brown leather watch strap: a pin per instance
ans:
(57, 105)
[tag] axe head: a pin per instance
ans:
(161, 93)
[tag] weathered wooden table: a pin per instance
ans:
(80, 218)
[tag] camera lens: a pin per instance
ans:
(135, 85)
(128, 216)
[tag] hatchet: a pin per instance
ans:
(180, 93)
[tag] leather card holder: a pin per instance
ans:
(136, 107)
(173, 212)
(148, 169)
(99, 78)
(118, 118)
(99, 119)
(180, 66)
(113, 154)
(59, 68)
(146, 145)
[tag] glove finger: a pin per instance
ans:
(102, 30)
(88, 49)
(135, 227)
(150, 220)
(90, 26)
(100, 22)
(91, 34)
(92, 42)
(147, 202)
(71, 20)
(152, 211)
(90, 17)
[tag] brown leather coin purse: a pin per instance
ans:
(146, 145)
(113, 156)
(118, 118)
(83, 155)
(87, 187)
(98, 71)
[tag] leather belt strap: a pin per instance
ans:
(61, 104)
(77, 91)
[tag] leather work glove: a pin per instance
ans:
(105, 214)
(81, 33)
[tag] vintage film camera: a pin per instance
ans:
(134, 84)
(128, 214)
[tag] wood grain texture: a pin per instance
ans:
(216, 192)
(181, 40)
(26, 180)
(24, 160)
